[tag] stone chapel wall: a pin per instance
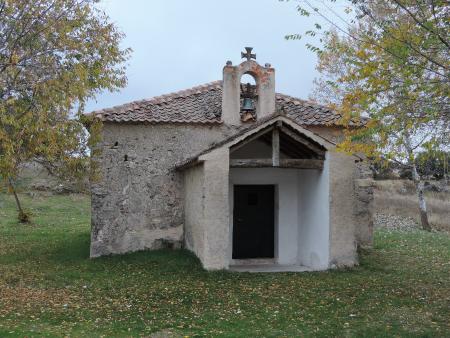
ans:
(364, 204)
(137, 203)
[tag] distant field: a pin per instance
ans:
(398, 197)
(49, 287)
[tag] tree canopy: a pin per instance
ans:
(384, 64)
(54, 56)
(388, 61)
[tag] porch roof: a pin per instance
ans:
(258, 128)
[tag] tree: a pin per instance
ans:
(54, 55)
(387, 61)
(434, 165)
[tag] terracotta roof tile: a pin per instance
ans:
(203, 104)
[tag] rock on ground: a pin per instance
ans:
(394, 222)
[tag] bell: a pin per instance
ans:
(247, 104)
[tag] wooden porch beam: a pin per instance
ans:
(284, 163)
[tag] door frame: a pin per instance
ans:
(275, 226)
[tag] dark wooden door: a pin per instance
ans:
(253, 221)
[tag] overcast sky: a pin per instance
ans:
(178, 44)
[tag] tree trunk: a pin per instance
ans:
(445, 168)
(418, 184)
(23, 217)
(422, 204)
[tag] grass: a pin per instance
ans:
(49, 287)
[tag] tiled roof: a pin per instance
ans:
(203, 104)
(305, 112)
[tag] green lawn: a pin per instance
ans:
(49, 287)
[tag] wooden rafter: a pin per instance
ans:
(315, 148)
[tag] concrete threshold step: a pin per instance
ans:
(268, 268)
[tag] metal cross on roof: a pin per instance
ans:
(248, 54)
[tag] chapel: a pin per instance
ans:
(246, 178)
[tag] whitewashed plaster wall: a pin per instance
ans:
(286, 206)
(301, 212)
(255, 149)
(314, 218)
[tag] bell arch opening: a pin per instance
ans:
(248, 78)
(248, 97)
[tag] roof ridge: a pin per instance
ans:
(185, 92)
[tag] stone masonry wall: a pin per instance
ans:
(363, 208)
(137, 202)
